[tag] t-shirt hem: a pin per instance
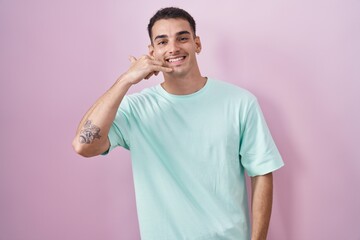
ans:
(265, 169)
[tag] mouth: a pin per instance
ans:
(175, 60)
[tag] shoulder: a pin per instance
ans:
(231, 91)
(147, 95)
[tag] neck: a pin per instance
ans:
(183, 85)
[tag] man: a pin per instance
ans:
(191, 140)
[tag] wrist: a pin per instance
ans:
(126, 80)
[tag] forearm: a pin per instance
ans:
(262, 190)
(91, 136)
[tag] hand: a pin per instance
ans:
(144, 68)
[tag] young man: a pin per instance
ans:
(191, 140)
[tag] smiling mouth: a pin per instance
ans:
(174, 60)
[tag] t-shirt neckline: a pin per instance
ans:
(163, 92)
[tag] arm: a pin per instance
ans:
(262, 189)
(91, 136)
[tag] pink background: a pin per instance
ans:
(301, 58)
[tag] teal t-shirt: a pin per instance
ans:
(189, 154)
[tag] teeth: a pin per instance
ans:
(175, 59)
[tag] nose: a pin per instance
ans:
(173, 47)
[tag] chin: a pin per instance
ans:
(178, 72)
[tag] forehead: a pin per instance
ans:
(170, 27)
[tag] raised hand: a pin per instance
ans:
(144, 68)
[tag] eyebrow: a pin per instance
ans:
(177, 34)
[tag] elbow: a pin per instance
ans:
(81, 149)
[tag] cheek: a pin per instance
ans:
(158, 54)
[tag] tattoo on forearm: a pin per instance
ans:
(89, 132)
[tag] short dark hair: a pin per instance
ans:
(171, 12)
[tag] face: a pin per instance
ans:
(174, 43)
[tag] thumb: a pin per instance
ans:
(132, 59)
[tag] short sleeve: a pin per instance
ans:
(119, 130)
(259, 154)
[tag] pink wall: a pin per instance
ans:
(301, 58)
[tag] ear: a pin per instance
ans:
(198, 44)
(151, 50)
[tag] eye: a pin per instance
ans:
(162, 42)
(183, 39)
